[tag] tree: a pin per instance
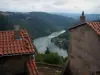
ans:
(47, 50)
(52, 58)
(39, 57)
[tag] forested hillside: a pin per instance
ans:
(5, 24)
(38, 24)
(62, 40)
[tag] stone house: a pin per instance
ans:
(16, 53)
(84, 48)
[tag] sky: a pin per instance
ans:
(59, 6)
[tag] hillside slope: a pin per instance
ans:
(39, 23)
(5, 24)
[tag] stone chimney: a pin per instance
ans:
(17, 31)
(82, 18)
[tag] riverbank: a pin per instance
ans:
(43, 42)
(61, 41)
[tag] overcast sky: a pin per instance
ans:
(64, 6)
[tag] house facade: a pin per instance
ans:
(84, 48)
(16, 53)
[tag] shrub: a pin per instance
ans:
(52, 58)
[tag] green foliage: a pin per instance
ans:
(5, 24)
(40, 24)
(62, 40)
(65, 59)
(64, 35)
(47, 51)
(50, 58)
(39, 57)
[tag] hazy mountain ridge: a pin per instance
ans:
(39, 23)
(89, 17)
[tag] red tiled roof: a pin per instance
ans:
(94, 25)
(31, 66)
(11, 46)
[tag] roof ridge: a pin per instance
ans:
(94, 25)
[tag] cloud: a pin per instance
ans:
(60, 2)
(96, 9)
(89, 6)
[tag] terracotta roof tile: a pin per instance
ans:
(12, 46)
(94, 25)
(31, 66)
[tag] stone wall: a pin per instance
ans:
(84, 49)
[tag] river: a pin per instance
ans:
(43, 42)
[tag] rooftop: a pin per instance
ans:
(10, 46)
(94, 25)
(31, 66)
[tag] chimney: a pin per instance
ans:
(82, 18)
(17, 31)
